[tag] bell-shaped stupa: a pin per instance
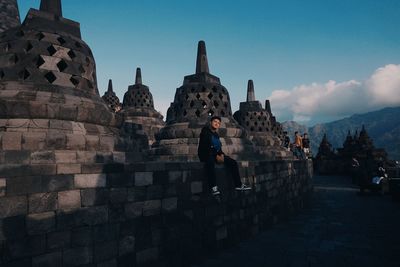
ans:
(9, 15)
(199, 98)
(111, 98)
(138, 108)
(49, 100)
(261, 125)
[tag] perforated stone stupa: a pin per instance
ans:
(138, 108)
(201, 96)
(262, 127)
(111, 98)
(9, 15)
(49, 99)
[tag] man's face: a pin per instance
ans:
(215, 124)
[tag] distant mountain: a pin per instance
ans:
(383, 126)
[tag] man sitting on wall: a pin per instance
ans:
(210, 152)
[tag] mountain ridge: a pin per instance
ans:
(383, 126)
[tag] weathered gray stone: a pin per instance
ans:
(152, 207)
(89, 180)
(77, 256)
(42, 202)
(13, 206)
(169, 204)
(143, 178)
(11, 141)
(68, 168)
(147, 255)
(94, 196)
(126, 245)
(65, 156)
(69, 199)
(48, 260)
(196, 187)
(58, 240)
(134, 210)
(40, 223)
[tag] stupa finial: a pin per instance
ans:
(250, 91)
(51, 6)
(138, 79)
(202, 62)
(110, 86)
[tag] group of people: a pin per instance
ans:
(300, 147)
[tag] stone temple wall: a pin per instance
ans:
(9, 15)
(142, 214)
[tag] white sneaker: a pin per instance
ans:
(214, 191)
(243, 187)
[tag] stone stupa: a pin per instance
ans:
(199, 98)
(263, 129)
(111, 98)
(49, 100)
(138, 108)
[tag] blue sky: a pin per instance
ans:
(281, 45)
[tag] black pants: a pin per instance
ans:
(230, 163)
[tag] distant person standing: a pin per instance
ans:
(298, 145)
(306, 145)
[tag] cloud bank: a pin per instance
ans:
(323, 102)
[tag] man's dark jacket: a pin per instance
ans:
(206, 148)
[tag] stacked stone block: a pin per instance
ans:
(139, 214)
(9, 15)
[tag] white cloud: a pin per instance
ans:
(318, 102)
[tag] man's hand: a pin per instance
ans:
(220, 158)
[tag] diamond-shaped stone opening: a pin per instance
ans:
(186, 96)
(226, 105)
(214, 89)
(204, 104)
(40, 36)
(184, 112)
(62, 65)
(28, 47)
(61, 40)
(40, 62)
(252, 129)
(198, 113)
(198, 96)
(247, 123)
(74, 81)
(52, 50)
(210, 95)
(90, 85)
(222, 112)
(77, 44)
(191, 103)
(221, 96)
(203, 89)
(50, 77)
(216, 104)
(71, 54)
